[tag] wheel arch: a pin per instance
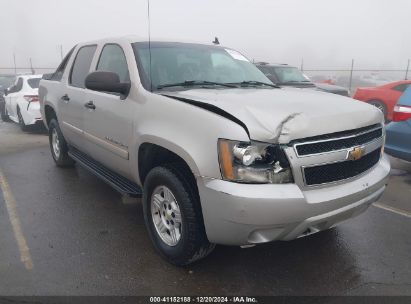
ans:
(378, 100)
(49, 113)
(375, 99)
(151, 153)
(387, 110)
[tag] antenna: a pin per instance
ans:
(149, 43)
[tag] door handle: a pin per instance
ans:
(65, 98)
(90, 105)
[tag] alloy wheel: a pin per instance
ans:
(166, 215)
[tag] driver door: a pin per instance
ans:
(108, 124)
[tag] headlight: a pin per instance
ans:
(253, 162)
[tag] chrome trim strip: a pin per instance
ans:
(123, 153)
(73, 128)
(336, 139)
(107, 145)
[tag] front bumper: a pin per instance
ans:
(243, 214)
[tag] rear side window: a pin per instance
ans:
(112, 59)
(58, 74)
(81, 66)
(34, 82)
(17, 87)
(401, 87)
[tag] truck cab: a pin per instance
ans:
(218, 153)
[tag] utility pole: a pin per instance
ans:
(352, 68)
(406, 72)
(14, 60)
(302, 64)
(31, 67)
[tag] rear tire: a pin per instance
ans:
(4, 114)
(380, 106)
(58, 145)
(22, 125)
(190, 242)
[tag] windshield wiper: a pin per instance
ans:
(298, 81)
(254, 83)
(189, 83)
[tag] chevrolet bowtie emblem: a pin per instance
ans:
(356, 153)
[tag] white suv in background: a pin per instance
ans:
(22, 101)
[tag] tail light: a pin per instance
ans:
(31, 98)
(401, 113)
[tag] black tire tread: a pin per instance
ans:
(4, 115)
(64, 160)
(181, 172)
(198, 244)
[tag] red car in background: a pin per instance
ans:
(383, 97)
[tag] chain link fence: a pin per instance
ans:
(350, 78)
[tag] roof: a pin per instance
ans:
(134, 38)
(395, 83)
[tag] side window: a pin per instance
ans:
(112, 59)
(401, 87)
(81, 66)
(58, 74)
(269, 72)
(17, 86)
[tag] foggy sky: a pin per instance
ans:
(326, 33)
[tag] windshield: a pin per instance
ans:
(288, 74)
(173, 63)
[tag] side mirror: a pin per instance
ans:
(6, 91)
(103, 81)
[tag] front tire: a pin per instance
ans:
(173, 216)
(58, 145)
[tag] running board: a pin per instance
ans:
(118, 182)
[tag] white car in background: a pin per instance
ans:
(22, 101)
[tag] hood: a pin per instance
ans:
(300, 85)
(279, 116)
(329, 87)
(318, 86)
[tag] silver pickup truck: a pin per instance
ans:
(220, 154)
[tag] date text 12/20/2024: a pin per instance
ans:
(235, 299)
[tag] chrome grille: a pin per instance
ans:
(341, 170)
(338, 143)
(329, 158)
